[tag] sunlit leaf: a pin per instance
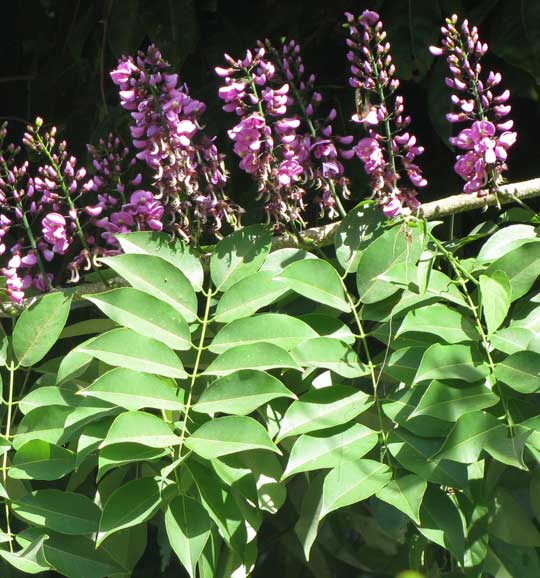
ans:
(240, 393)
(64, 512)
(125, 348)
(330, 448)
(39, 326)
(140, 428)
(239, 255)
(145, 315)
(317, 280)
(131, 504)
(323, 408)
(188, 528)
(228, 435)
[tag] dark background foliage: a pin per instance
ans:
(57, 55)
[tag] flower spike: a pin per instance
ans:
(389, 149)
(475, 98)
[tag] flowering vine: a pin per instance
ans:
(282, 139)
(489, 137)
(188, 170)
(389, 151)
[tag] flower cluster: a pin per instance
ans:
(389, 150)
(113, 203)
(281, 137)
(489, 137)
(50, 215)
(36, 216)
(188, 170)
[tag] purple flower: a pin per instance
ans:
(488, 139)
(188, 170)
(389, 150)
(282, 142)
(54, 232)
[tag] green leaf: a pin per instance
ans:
(239, 255)
(281, 330)
(496, 298)
(158, 278)
(3, 347)
(355, 232)
(188, 529)
(353, 482)
(511, 339)
(504, 241)
(48, 395)
(44, 423)
(125, 348)
(135, 390)
(400, 404)
(262, 356)
(87, 327)
(330, 354)
(330, 448)
(264, 469)
(478, 431)
(317, 280)
(91, 437)
(441, 523)
(521, 265)
(126, 547)
(322, 409)
(416, 455)
(145, 315)
(174, 251)
(63, 512)
(240, 393)
(449, 403)
(31, 559)
(448, 324)
(74, 364)
(276, 261)
(510, 522)
(117, 455)
(248, 295)
(39, 327)
(40, 460)
(403, 364)
(505, 561)
(77, 557)
(140, 428)
(406, 494)
(520, 371)
(129, 505)
(327, 326)
(451, 362)
(220, 504)
(307, 526)
(386, 251)
(228, 435)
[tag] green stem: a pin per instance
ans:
(451, 258)
(374, 381)
(485, 340)
(386, 121)
(11, 369)
(200, 348)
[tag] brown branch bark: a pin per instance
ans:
(323, 236)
